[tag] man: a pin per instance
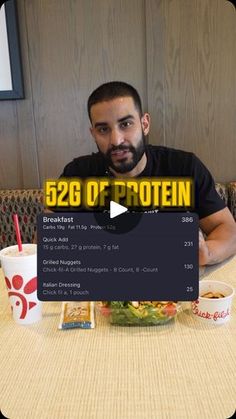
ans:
(119, 128)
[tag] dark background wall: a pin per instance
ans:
(179, 54)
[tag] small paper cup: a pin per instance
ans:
(20, 274)
(213, 310)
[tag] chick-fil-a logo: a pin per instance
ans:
(14, 291)
(206, 315)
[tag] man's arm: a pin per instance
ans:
(220, 243)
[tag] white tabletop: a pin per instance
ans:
(185, 369)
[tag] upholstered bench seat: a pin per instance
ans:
(28, 203)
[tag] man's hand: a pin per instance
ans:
(220, 243)
(204, 252)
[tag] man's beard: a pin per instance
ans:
(124, 166)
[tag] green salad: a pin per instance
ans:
(138, 312)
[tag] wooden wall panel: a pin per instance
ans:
(198, 79)
(25, 113)
(179, 54)
(223, 155)
(10, 158)
(180, 74)
(74, 46)
(18, 164)
(155, 69)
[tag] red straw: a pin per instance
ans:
(17, 231)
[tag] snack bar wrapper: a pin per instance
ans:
(77, 314)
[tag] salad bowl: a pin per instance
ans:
(138, 313)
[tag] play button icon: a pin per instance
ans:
(116, 218)
(116, 209)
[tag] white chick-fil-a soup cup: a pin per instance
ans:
(214, 302)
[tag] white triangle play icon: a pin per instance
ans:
(116, 209)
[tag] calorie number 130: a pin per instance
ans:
(188, 266)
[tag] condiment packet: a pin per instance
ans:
(77, 314)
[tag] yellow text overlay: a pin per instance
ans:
(142, 192)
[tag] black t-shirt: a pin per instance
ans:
(161, 162)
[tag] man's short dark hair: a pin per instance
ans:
(113, 90)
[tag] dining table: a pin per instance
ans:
(183, 369)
